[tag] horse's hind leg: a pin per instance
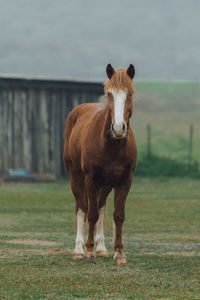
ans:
(99, 239)
(78, 189)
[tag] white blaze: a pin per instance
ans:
(80, 230)
(119, 102)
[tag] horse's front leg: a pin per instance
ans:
(99, 239)
(92, 215)
(121, 193)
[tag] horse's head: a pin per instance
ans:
(119, 90)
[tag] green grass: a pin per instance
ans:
(158, 211)
(170, 108)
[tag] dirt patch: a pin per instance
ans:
(168, 235)
(3, 256)
(35, 251)
(189, 254)
(165, 245)
(31, 242)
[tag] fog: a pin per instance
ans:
(76, 39)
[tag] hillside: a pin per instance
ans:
(170, 108)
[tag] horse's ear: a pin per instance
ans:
(131, 71)
(109, 71)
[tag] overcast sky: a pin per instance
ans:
(76, 39)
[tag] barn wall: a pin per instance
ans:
(32, 121)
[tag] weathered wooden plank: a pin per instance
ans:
(21, 163)
(5, 142)
(25, 132)
(57, 150)
(34, 130)
(38, 132)
(49, 110)
(1, 130)
(43, 133)
(10, 128)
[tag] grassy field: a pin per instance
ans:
(170, 108)
(161, 237)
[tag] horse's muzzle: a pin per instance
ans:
(119, 130)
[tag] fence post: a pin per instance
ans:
(191, 131)
(148, 141)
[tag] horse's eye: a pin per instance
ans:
(109, 94)
(130, 94)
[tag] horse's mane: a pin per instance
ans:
(119, 81)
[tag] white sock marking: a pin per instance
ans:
(80, 230)
(99, 239)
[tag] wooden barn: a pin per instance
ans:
(32, 121)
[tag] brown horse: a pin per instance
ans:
(100, 154)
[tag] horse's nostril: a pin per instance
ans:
(112, 126)
(123, 127)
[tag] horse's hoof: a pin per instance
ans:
(102, 254)
(78, 256)
(89, 260)
(119, 258)
(120, 261)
